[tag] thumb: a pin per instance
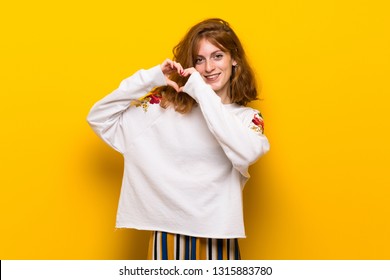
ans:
(173, 84)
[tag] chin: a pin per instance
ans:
(215, 87)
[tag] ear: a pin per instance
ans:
(234, 63)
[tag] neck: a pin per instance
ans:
(225, 99)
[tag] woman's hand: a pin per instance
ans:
(185, 73)
(168, 67)
(188, 71)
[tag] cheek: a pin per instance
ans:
(199, 68)
(228, 71)
(226, 66)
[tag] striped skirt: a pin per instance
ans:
(169, 246)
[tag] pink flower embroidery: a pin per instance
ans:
(144, 102)
(258, 123)
(155, 99)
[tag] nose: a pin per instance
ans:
(209, 66)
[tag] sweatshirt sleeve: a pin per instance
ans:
(242, 140)
(106, 115)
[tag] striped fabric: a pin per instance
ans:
(169, 246)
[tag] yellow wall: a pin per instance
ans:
(321, 193)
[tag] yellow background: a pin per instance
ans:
(321, 193)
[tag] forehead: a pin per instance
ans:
(205, 47)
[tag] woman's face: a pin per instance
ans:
(215, 66)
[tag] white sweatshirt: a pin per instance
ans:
(183, 173)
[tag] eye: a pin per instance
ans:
(199, 60)
(218, 56)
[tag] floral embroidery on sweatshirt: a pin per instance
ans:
(145, 101)
(257, 123)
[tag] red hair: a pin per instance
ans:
(219, 33)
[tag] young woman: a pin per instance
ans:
(187, 139)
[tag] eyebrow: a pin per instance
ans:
(214, 52)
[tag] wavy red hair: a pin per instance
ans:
(219, 33)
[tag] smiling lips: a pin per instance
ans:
(212, 77)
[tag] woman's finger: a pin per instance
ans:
(166, 66)
(173, 84)
(188, 71)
